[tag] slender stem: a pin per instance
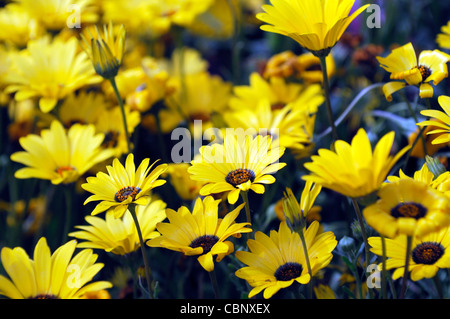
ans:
(363, 233)
(406, 273)
(383, 270)
(308, 263)
(122, 109)
(213, 277)
(244, 196)
(132, 209)
(68, 193)
(326, 86)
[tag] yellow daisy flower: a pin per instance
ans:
(50, 71)
(201, 232)
(442, 130)
(289, 128)
(315, 25)
(50, 276)
(429, 253)
(443, 39)
(59, 156)
(56, 14)
(408, 207)
(105, 49)
(353, 169)
(17, 27)
(277, 261)
(403, 65)
(123, 186)
(119, 235)
(239, 164)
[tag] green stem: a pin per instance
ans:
(383, 270)
(308, 263)
(406, 273)
(244, 196)
(326, 86)
(213, 277)
(132, 209)
(364, 235)
(122, 109)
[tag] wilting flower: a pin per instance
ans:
(353, 169)
(105, 49)
(429, 253)
(50, 276)
(200, 233)
(276, 262)
(239, 164)
(50, 71)
(315, 25)
(443, 123)
(123, 186)
(402, 63)
(119, 235)
(59, 156)
(408, 207)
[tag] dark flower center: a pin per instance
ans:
(424, 71)
(206, 242)
(288, 271)
(239, 176)
(427, 253)
(44, 297)
(125, 192)
(111, 139)
(409, 209)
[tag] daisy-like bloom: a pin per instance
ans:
(353, 169)
(305, 66)
(241, 163)
(289, 127)
(277, 91)
(198, 96)
(50, 276)
(186, 188)
(123, 186)
(277, 261)
(57, 14)
(429, 253)
(105, 49)
(408, 207)
(200, 233)
(443, 39)
(402, 63)
(60, 156)
(442, 125)
(430, 147)
(119, 235)
(49, 71)
(17, 27)
(315, 25)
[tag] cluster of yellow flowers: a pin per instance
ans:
(89, 85)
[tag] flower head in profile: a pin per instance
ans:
(315, 25)
(403, 64)
(200, 233)
(277, 261)
(50, 276)
(241, 163)
(60, 156)
(123, 186)
(119, 235)
(442, 125)
(429, 253)
(354, 170)
(408, 207)
(49, 71)
(105, 49)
